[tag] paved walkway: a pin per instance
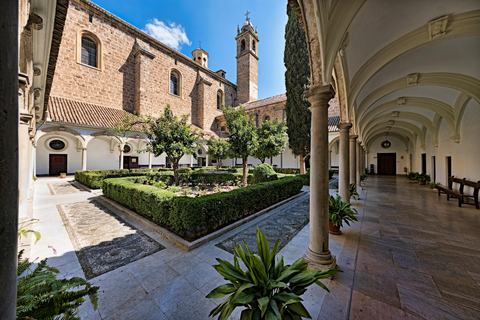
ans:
(412, 255)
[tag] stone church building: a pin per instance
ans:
(108, 68)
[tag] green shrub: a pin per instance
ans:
(147, 200)
(305, 178)
(267, 289)
(193, 217)
(184, 170)
(174, 189)
(94, 178)
(263, 173)
(330, 174)
(287, 170)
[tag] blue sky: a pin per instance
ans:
(183, 23)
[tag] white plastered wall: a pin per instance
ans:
(74, 157)
(397, 147)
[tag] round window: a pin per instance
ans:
(57, 145)
(126, 148)
(200, 151)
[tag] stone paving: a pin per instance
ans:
(412, 255)
(64, 187)
(283, 225)
(102, 240)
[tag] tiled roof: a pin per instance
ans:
(265, 102)
(84, 114)
(332, 123)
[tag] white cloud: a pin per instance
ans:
(172, 34)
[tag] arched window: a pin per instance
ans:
(267, 118)
(253, 45)
(89, 52)
(89, 49)
(219, 100)
(174, 82)
(242, 46)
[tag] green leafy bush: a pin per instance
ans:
(184, 170)
(340, 211)
(263, 173)
(193, 217)
(305, 178)
(174, 189)
(94, 178)
(287, 170)
(268, 289)
(147, 200)
(353, 192)
(330, 174)
(40, 295)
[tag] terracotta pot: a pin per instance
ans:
(333, 229)
(412, 178)
(63, 176)
(422, 183)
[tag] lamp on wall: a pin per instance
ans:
(386, 144)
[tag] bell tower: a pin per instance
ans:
(247, 62)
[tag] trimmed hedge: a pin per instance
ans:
(264, 173)
(194, 217)
(287, 170)
(94, 178)
(306, 177)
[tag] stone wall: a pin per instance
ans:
(129, 80)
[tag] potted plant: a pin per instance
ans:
(268, 289)
(63, 175)
(353, 192)
(339, 212)
(434, 184)
(421, 179)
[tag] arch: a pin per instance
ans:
(406, 115)
(440, 107)
(89, 49)
(460, 82)
(266, 118)
(459, 109)
(59, 131)
(459, 26)
(339, 74)
(254, 47)
(220, 99)
(406, 128)
(392, 134)
(332, 143)
(402, 132)
(175, 82)
(242, 45)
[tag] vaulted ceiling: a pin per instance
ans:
(403, 67)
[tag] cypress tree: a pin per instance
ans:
(297, 80)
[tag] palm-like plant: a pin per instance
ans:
(353, 192)
(268, 289)
(340, 211)
(40, 295)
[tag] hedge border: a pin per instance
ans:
(192, 218)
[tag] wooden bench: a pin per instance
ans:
(459, 193)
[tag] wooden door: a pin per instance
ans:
(57, 164)
(387, 163)
(133, 163)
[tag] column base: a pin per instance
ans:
(320, 261)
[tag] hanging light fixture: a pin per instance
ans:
(386, 144)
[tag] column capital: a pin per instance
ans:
(344, 126)
(320, 95)
(353, 137)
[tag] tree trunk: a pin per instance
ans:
(175, 171)
(302, 165)
(271, 160)
(244, 182)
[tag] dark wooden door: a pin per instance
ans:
(57, 164)
(387, 163)
(130, 162)
(424, 163)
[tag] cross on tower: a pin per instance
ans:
(246, 14)
(200, 44)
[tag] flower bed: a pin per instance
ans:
(192, 218)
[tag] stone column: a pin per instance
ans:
(84, 158)
(318, 252)
(149, 160)
(353, 159)
(344, 158)
(9, 127)
(120, 165)
(359, 163)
